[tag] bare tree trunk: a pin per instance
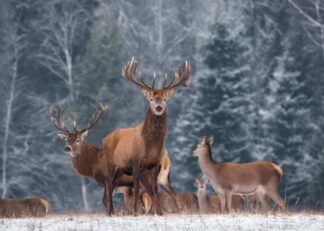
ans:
(8, 123)
(84, 195)
(159, 27)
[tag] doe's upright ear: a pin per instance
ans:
(62, 136)
(146, 93)
(210, 140)
(195, 180)
(84, 135)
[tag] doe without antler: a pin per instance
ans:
(261, 177)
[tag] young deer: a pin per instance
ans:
(186, 203)
(29, 207)
(88, 160)
(259, 177)
(128, 201)
(210, 204)
(135, 150)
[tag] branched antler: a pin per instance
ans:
(98, 113)
(57, 112)
(129, 72)
(180, 77)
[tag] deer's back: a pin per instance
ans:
(259, 172)
(28, 207)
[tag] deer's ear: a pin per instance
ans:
(84, 135)
(170, 93)
(62, 136)
(210, 140)
(195, 180)
(146, 93)
(203, 140)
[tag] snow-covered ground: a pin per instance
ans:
(172, 222)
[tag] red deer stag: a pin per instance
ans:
(88, 160)
(29, 207)
(259, 177)
(134, 150)
(209, 204)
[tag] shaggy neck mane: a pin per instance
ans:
(154, 129)
(85, 162)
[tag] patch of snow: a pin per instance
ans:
(171, 222)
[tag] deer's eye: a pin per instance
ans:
(164, 99)
(77, 140)
(151, 99)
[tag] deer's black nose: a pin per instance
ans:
(158, 108)
(67, 149)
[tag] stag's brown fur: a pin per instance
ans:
(135, 150)
(92, 163)
(29, 207)
(259, 177)
(142, 144)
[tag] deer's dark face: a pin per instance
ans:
(158, 99)
(73, 142)
(204, 146)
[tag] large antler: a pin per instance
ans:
(98, 113)
(56, 114)
(129, 72)
(180, 77)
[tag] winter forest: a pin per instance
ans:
(255, 85)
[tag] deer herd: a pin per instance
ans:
(134, 162)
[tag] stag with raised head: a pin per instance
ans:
(134, 150)
(261, 177)
(89, 160)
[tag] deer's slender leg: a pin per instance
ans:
(136, 176)
(276, 198)
(222, 202)
(155, 173)
(228, 199)
(264, 202)
(104, 198)
(109, 190)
